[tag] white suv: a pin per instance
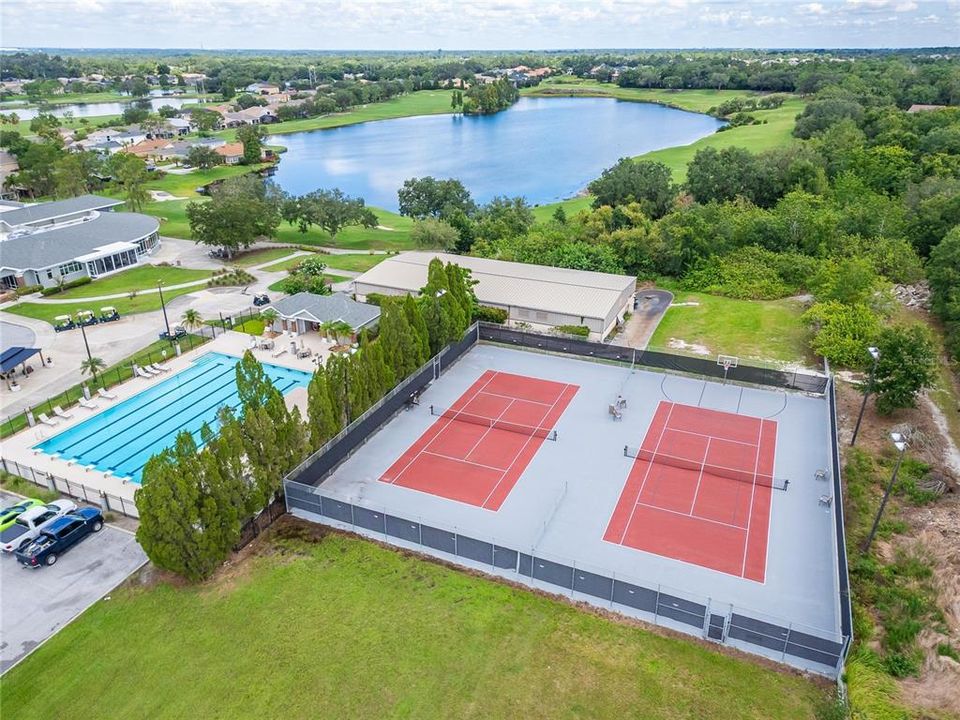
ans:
(28, 525)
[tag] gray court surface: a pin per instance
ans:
(36, 603)
(559, 509)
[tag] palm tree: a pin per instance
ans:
(91, 366)
(269, 317)
(337, 328)
(191, 319)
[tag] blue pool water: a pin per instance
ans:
(121, 438)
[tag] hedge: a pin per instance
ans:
(490, 314)
(578, 330)
(66, 286)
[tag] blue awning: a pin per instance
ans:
(14, 356)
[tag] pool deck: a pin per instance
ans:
(19, 447)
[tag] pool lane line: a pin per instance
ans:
(133, 410)
(177, 412)
(196, 432)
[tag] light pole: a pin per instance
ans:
(163, 305)
(875, 354)
(83, 332)
(899, 442)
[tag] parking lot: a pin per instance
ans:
(36, 603)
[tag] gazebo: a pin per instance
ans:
(15, 356)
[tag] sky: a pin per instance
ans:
(477, 24)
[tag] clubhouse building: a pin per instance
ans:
(44, 243)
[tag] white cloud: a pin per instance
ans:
(814, 8)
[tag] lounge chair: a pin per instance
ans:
(106, 394)
(278, 353)
(88, 404)
(144, 374)
(42, 417)
(158, 367)
(59, 412)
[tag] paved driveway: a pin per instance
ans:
(35, 604)
(651, 304)
(13, 335)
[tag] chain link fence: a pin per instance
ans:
(750, 630)
(108, 502)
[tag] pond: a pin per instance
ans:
(95, 109)
(545, 149)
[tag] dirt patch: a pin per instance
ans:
(683, 345)
(936, 527)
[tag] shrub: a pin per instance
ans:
(842, 333)
(65, 286)
(752, 273)
(375, 299)
(578, 330)
(232, 277)
(29, 290)
(491, 314)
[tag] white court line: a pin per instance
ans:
(717, 437)
(703, 464)
(753, 492)
(694, 517)
(535, 402)
(646, 474)
(456, 459)
(520, 452)
(439, 432)
(487, 432)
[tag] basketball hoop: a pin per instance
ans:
(727, 362)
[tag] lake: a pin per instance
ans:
(545, 149)
(96, 109)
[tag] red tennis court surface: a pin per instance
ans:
(479, 464)
(690, 513)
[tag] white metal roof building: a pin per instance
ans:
(534, 294)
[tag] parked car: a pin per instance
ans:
(9, 514)
(59, 536)
(26, 527)
(261, 299)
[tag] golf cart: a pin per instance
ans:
(109, 314)
(63, 322)
(261, 299)
(86, 318)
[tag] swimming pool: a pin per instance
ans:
(121, 438)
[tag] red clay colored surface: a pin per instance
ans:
(480, 465)
(696, 516)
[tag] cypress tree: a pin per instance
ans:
(253, 385)
(323, 423)
(420, 333)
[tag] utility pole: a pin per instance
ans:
(875, 354)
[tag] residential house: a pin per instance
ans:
(45, 243)
(232, 153)
(305, 311)
(193, 79)
(262, 88)
(916, 108)
(255, 115)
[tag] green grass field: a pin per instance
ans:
(173, 223)
(343, 628)
(694, 100)
(262, 255)
(778, 132)
(144, 277)
(361, 262)
(126, 306)
(759, 330)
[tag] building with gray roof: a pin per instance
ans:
(534, 295)
(48, 243)
(307, 311)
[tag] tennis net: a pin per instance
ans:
(531, 430)
(744, 476)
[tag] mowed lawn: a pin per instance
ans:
(144, 302)
(765, 330)
(694, 100)
(777, 132)
(346, 629)
(394, 233)
(144, 277)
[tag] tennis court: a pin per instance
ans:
(479, 447)
(700, 490)
(675, 512)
